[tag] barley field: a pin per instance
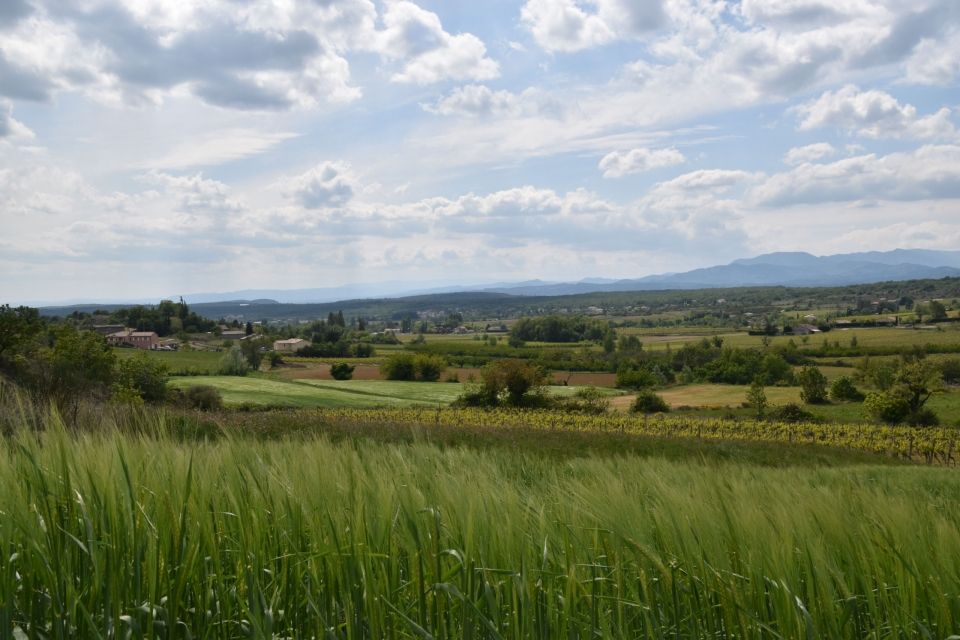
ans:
(112, 535)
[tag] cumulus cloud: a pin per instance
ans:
(327, 185)
(572, 25)
(257, 55)
(930, 172)
(480, 101)
(9, 127)
(809, 153)
(935, 61)
(802, 14)
(617, 164)
(140, 52)
(873, 114)
(429, 54)
(195, 194)
(510, 203)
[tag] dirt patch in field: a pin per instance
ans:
(321, 371)
(585, 379)
(622, 404)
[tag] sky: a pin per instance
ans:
(152, 148)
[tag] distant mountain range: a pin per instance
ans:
(794, 269)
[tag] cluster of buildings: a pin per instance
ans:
(120, 336)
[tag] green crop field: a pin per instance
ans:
(180, 362)
(112, 535)
(257, 390)
(705, 398)
(865, 337)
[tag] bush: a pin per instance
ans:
(204, 398)
(951, 370)
(341, 371)
(399, 366)
(233, 363)
(588, 400)
(407, 366)
(649, 402)
(513, 382)
(886, 406)
(630, 378)
(757, 397)
(844, 390)
(923, 418)
(428, 368)
(364, 350)
(813, 385)
(791, 412)
(141, 377)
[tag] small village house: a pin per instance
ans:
(131, 338)
(290, 345)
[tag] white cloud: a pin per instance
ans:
(10, 127)
(429, 54)
(480, 101)
(327, 185)
(715, 180)
(873, 114)
(196, 194)
(935, 62)
(809, 153)
(572, 25)
(931, 234)
(617, 164)
(930, 172)
(258, 55)
(218, 147)
(699, 62)
(510, 203)
(802, 14)
(142, 53)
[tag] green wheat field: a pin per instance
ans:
(140, 530)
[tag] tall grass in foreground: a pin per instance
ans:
(133, 536)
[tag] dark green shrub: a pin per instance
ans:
(399, 366)
(341, 371)
(813, 385)
(649, 402)
(923, 418)
(516, 383)
(204, 398)
(844, 390)
(428, 368)
(631, 378)
(951, 370)
(791, 413)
